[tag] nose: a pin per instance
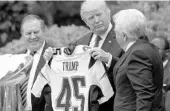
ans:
(96, 19)
(33, 36)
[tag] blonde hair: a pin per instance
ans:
(132, 22)
(90, 5)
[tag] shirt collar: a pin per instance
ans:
(107, 31)
(129, 45)
(165, 62)
(39, 51)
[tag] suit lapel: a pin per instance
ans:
(87, 41)
(40, 63)
(125, 55)
(120, 62)
(108, 41)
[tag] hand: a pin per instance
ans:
(99, 54)
(48, 54)
(28, 59)
(71, 47)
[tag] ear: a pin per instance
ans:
(125, 37)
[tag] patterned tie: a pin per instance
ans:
(24, 90)
(97, 41)
(24, 84)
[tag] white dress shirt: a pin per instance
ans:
(36, 59)
(103, 37)
(129, 45)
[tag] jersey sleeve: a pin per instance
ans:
(41, 81)
(103, 82)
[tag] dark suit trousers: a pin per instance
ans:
(44, 102)
(107, 106)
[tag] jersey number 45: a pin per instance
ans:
(66, 91)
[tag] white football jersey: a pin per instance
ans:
(70, 78)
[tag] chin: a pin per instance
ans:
(35, 47)
(101, 30)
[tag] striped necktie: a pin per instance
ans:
(24, 83)
(97, 41)
(24, 90)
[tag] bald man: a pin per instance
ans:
(163, 46)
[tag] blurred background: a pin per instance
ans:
(63, 20)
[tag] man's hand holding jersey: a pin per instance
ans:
(99, 54)
(50, 51)
(48, 54)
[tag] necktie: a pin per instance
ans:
(97, 41)
(24, 84)
(32, 53)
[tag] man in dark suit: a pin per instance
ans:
(96, 15)
(138, 74)
(32, 29)
(163, 46)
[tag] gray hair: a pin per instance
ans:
(89, 5)
(32, 17)
(132, 22)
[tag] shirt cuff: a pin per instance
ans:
(110, 60)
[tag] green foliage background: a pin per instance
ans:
(64, 22)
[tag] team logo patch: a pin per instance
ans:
(68, 51)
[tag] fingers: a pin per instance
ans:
(49, 50)
(94, 50)
(72, 46)
(97, 57)
(99, 54)
(95, 53)
(48, 53)
(28, 58)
